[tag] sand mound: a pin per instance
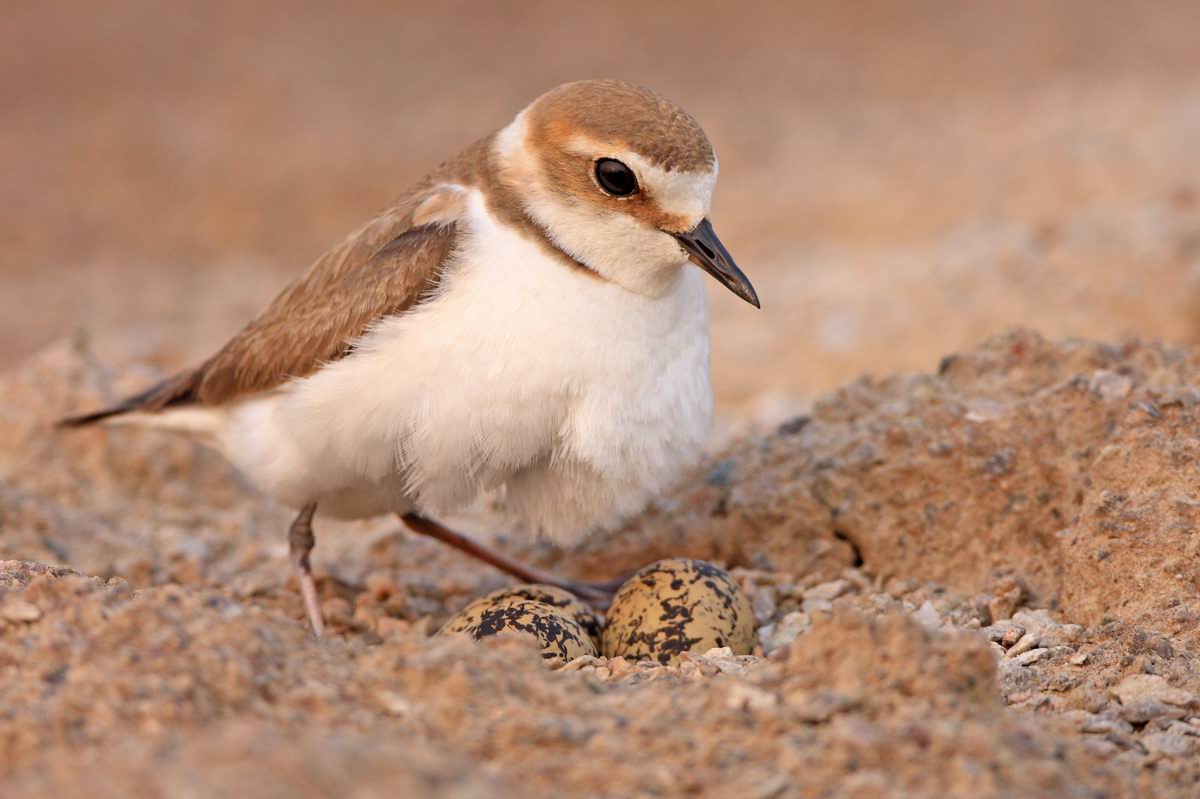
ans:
(1069, 467)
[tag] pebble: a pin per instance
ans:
(1027, 642)
(1100, 748)
(1006, 600)
(394, 704)
(1096, 724)
(18, 610)
(1011, 636)
(1142, 710)
(782, 633)
(1032, 656)
(763, 602)
(1153, 687)
(927, 617)
(1109, 385)
(830, 590)
(814, 605)
(1168, 745)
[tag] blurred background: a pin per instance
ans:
(900, 179)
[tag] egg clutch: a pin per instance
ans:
(664, 610)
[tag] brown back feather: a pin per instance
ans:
(316, 319)
(382, 269)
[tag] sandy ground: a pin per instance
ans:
(979, 582)
(975, 575)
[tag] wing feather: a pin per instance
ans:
(382, 269)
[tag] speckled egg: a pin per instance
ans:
(553, 596)
(676, 606)
(561, 637)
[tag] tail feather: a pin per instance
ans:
(172, 391)
(83, 420)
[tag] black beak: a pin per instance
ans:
(707, 252)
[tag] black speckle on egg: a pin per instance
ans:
(676, 606)
(550, 595)
(561, 637)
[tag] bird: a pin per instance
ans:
(528, 320)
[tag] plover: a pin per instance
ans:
(524, 320)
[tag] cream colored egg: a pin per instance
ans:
(561, 637)
(555, 597)
(675, 606)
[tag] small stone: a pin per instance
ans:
(1168, 745)
(1015, 679)
(927, 617)
(583, 663)
(1182, 728)
(1142, 710)
(1097, 724)
(18, 610)
(393, 703)
(1153, 687)
(1027, 642)
(1032, 656)
(619, 668)
(1100, 748)
(1079, 659)
(1060, 635)
(1007, 599)
(813, 606)
(763, 602)
(899, 586)
(782, 633)
(1010, 637)
(1110, 386)
(830, 590)
(856, 578)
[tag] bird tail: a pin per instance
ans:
(174, 390)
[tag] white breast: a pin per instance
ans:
(576, 397)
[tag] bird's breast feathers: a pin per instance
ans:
(577, 398)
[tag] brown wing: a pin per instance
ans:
(383, 269)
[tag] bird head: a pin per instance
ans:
(621, 180)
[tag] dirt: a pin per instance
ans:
(974, 582)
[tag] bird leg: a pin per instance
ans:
(300, 544)
(595, 593)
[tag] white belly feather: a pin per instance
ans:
(576, 397)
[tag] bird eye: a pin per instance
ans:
(615, 178)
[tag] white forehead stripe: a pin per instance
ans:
(686, 194)
(510, 142)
